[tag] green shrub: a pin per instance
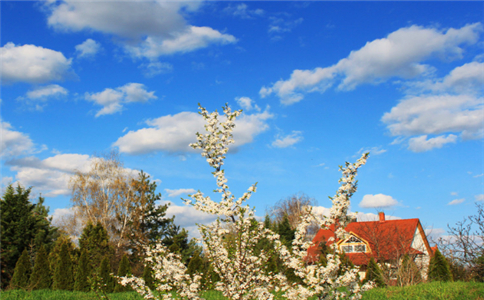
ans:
(41, 275)
(439, 269)
(21, 273)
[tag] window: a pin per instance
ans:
(347, 249)
(360, 248)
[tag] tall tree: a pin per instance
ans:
(95, 241)
(23, 225)
(82, 273)
(123, 270)
(41, 275)
(21, 274)
(63, 271)
(439, 269)
(104, 272)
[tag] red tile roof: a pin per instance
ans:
(387, 239)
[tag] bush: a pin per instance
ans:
(439, 269)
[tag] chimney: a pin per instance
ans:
(381, 215)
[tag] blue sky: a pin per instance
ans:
(319, 83)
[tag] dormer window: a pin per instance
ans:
(353, 245)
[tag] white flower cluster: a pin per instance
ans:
(242, 273)
(169, 276)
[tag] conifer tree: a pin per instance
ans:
(106, 280)
(95, 240)
(82, 274)
(123, 270)
(21, 274)
(373, 273)
(439, 269)
(41, 278)
(22, 224)
(196, 264)
(63, 271)
(285, 232)
(148, 277)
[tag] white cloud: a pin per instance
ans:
(38, 97)
(88, 48)
(154, 68)
(456, 201)
(373, 150)
(112, 100)
(13, 143)
(436, 114)
(361, 217)
(479, 197)
(178, 192)
(377, 201)
(46, 91)
(33, 64)
(288, 140)
(145, 28)
(187, 217)
(173, 133)
(400, 54)
(247, 104)
(422, 144)
(241, 10)
(51, 175)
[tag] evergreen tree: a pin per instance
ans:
(106, 280)
(439, 269)
(285, 232)
(23, 224)
(196, 264)
(21, 274)
(148, 277)
(41, 275)
(82, 274)
(63, 271)
(56, 250)
(123, 270)
(373, 273)
(95, 240)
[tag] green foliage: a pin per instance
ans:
(63, 271)
(123, 270)
(95, 241)
(148, 277)
(82, 273)
(21, 274)
(41, 275)
(285, 232)
(479, 269)
(196, 264)
(23, 225)
(439, 269)
(373, 273)
(106, 280)
(56, 250)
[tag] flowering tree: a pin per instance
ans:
(243, 274)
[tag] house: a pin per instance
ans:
(387, 241)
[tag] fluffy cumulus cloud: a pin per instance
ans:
(377, 201)
(178, 192)
(89, 48)
(173, 133)
(288, 140)
(51, 175)
(38, 97)
(146, 29)
(324, 211)
(188, 217)
(247, 104)
(422, 143)
(112, 100)
(13, 143)
(33, 64)
(401, 54)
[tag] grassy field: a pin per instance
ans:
(434, 291)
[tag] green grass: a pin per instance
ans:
(434, 291)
